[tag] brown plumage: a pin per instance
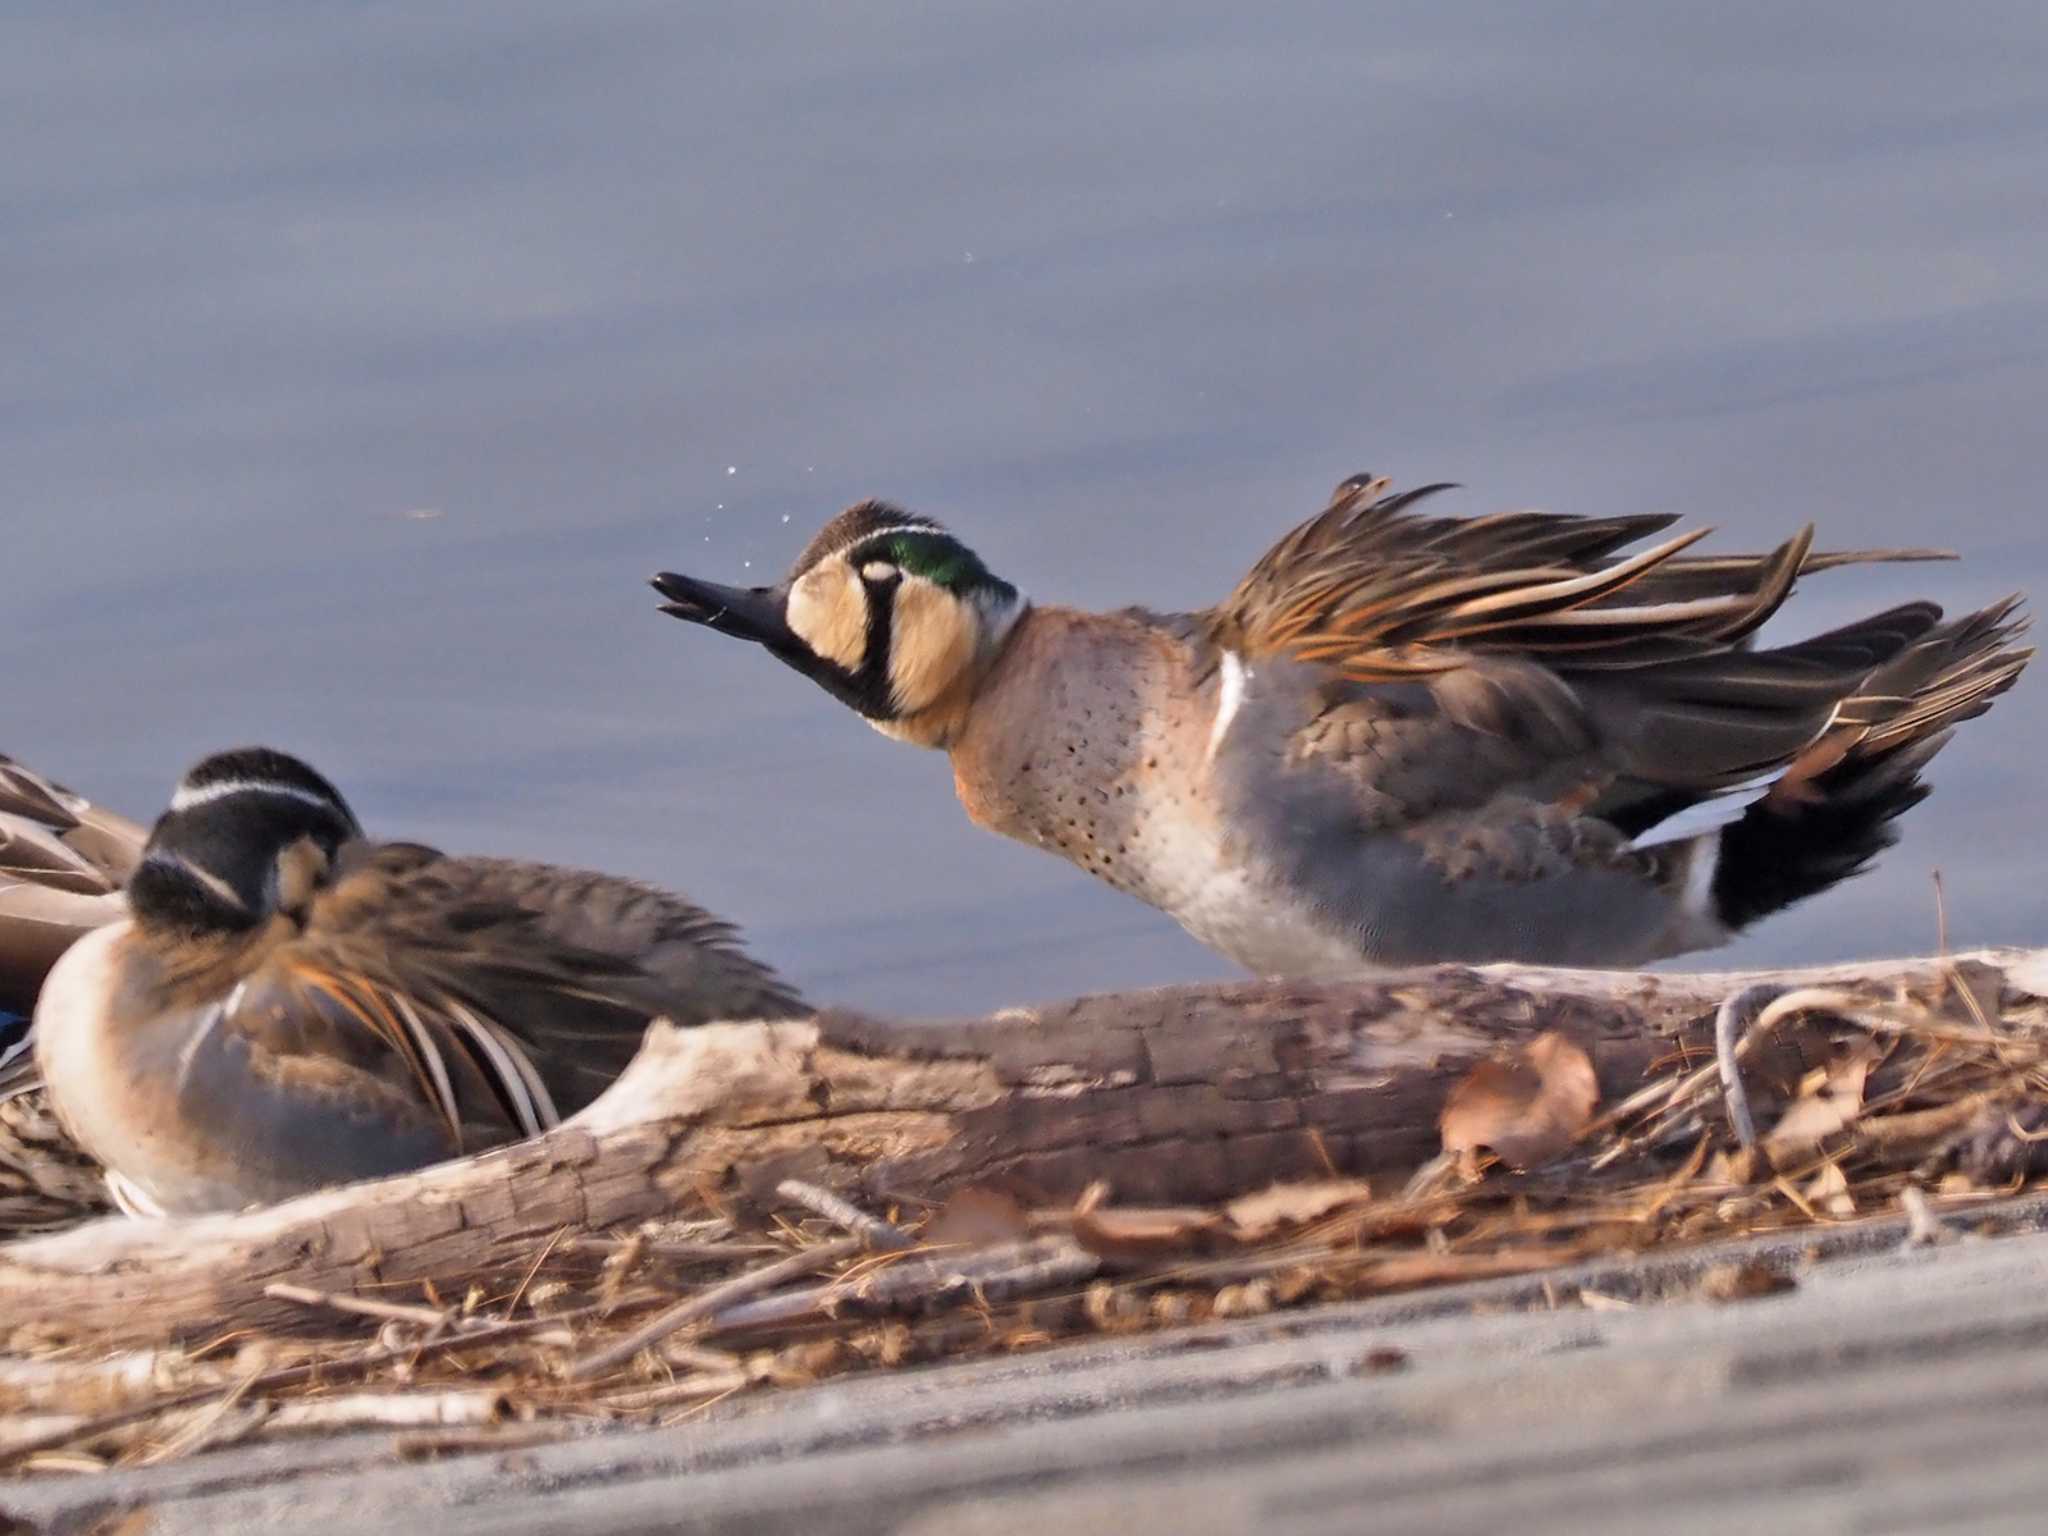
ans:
(62, 864)
(1404, 737)
(287, 1004)
(1378, 593)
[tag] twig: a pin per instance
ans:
(1733, 1013)
(1681, 1095)
(996, 1274)
(195, 1434)
(359, 1306)
(674, 1252)
(1924, 1229)
(688, 1389)
(822, 1202)
(427, 1444)
(273, 1380)
(460, 1408)
(519, 1294)
(1922, 1124)
(705, 1302)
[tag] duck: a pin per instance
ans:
(284, 1004)
(63, 861)
(1406, 737)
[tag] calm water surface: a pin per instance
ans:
(362, 359)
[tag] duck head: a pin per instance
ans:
(249, 834)
(885, 610)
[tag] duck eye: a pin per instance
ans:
(879, 571)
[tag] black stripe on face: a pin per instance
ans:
(867, 689)
(166, 891)
(213, 865)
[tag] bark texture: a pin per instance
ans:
(1173, 1096)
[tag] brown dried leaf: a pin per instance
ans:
(1829, 1192)
(978, 1218)
(1833, 1102)
(1144, 1233)
(1734, 1166)
(1292, 1205)
(1526, 1110)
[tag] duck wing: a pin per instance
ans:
(63, 861)
(1378, 592)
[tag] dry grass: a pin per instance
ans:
(1921, 1105)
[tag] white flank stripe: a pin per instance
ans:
(1708, 815)
(1229, 698)
(1698, 898)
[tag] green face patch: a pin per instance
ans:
(942, 560)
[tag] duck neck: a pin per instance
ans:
(1073, 727)
(942, 723)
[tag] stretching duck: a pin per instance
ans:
(1404, 738)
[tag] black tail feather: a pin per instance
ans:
(1833, 810)
(1777, 855)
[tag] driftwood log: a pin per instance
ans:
(1181, 1094)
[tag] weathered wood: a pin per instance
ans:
(1174, 1095)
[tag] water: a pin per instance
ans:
(362, 360)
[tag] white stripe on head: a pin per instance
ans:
(896, 528)
(189, 795)
(202, 877)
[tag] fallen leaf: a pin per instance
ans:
(976, 1218)
(1525, 1110)
(1829, 1192)
(1833, 1103)
(1145, 1232)
(1293, 1205)
(1736, 1166)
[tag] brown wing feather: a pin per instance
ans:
(62, 862)
(1379, 593)
(1559, 670)
(470, 981)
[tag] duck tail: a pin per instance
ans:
(1831, 812)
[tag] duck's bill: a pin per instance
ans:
(748, 613)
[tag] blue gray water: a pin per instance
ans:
(362, 359)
